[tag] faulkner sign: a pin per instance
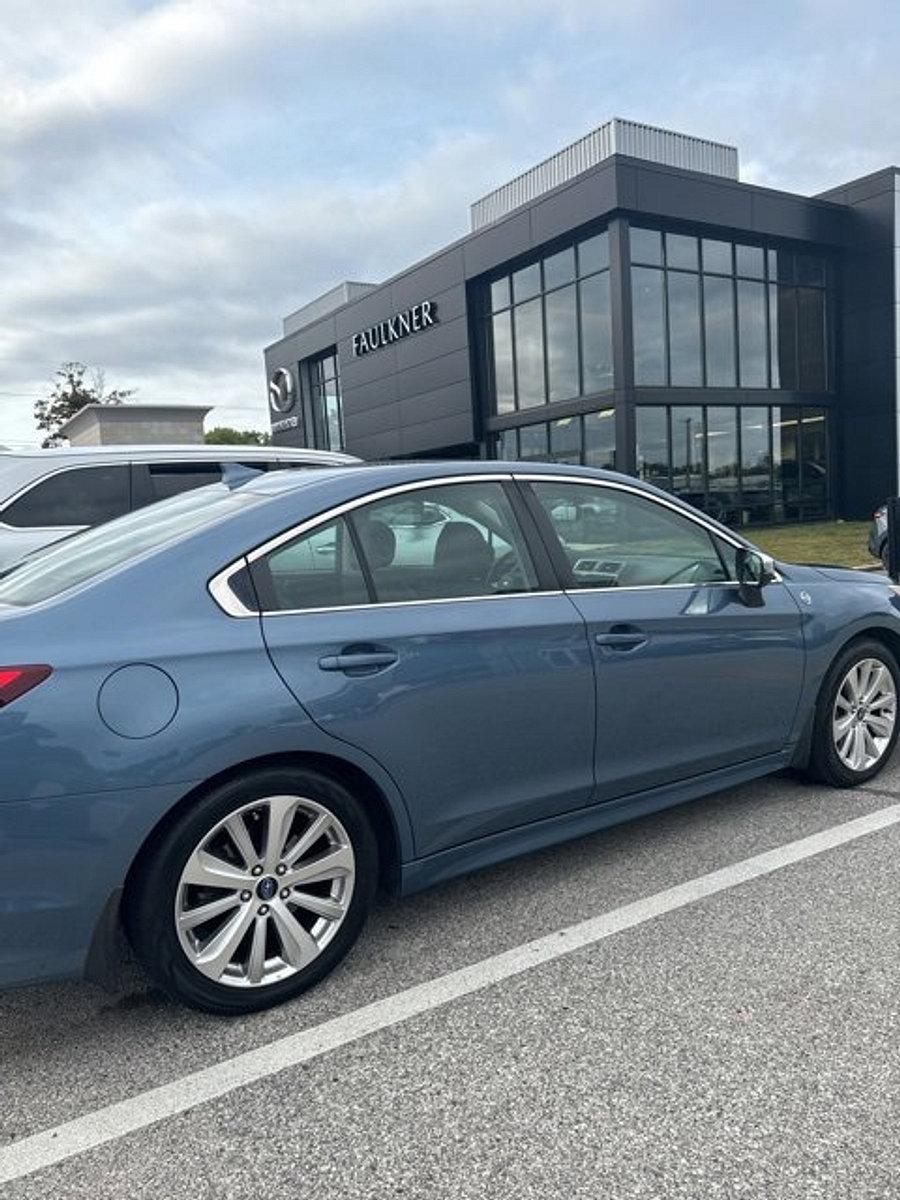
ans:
(395, 328)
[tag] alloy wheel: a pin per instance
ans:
(265, 891)
(864, 714)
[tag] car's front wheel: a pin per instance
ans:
(856, 728)
(255, 892)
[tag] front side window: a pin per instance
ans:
(613, 538)
(437, 543)
(80, 496)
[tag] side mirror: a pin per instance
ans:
(754, 572)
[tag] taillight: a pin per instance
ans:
(16, 681)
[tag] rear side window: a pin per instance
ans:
(437, 543)
(443, 542)
(170, 479)
(159, 481)
(79, 496)
(319, 569)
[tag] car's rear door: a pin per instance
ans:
(421, 628)
(690, 678)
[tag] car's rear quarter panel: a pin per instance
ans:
(78, 800)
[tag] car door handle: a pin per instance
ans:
(631, 639)
(362, 661)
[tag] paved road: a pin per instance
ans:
(746, 1045)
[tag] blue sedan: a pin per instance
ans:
(228, 719)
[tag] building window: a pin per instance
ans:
(589, 440)
(550, 329)
(713, 313)
(320, 390)
(745, 465)
(649, 316)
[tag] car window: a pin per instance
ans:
(85, 556)
(438, 543)
(158, 481)
(78, 496)
(443, 542)
(614, 538)
(170, 479)
(319, 569)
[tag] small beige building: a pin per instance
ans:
(136, 425)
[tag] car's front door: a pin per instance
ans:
(689, 677)
(419, 628)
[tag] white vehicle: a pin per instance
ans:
(47, 495)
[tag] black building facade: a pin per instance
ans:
(731, 343)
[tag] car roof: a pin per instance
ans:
(201, 451)
(385, 474)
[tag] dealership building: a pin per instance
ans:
(629, 303)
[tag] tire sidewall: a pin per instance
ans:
(826, 762)
(150, 901)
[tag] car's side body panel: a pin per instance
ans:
(485, 719)
(715, 683)
(485, 852)
(78, 800)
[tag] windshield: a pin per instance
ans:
(84, 556)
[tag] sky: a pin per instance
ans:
(177, 176)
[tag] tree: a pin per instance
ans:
(224, 435)
(71, 392)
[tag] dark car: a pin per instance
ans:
(878, 535)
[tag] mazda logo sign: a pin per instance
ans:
(282, 392)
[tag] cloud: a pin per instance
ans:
(177, 176)
(181, 301)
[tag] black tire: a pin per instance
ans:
(825, 765)
(149, 909)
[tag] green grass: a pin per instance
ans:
(841, 543)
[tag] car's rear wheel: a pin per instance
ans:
(255, 892)
(856, 726)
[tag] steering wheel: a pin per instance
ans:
(685, 574)
(506, 574)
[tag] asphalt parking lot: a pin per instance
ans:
(745, 1043)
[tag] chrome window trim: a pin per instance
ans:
(226, 599)
(697, 518)
(615, 485)
(348, 505)
(369, 607)
(233, 607)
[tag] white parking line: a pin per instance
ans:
(147, 1108)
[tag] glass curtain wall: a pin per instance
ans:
(550, 329)
(320, 383)
(745, 465)
(714, 313)
(589, 440)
